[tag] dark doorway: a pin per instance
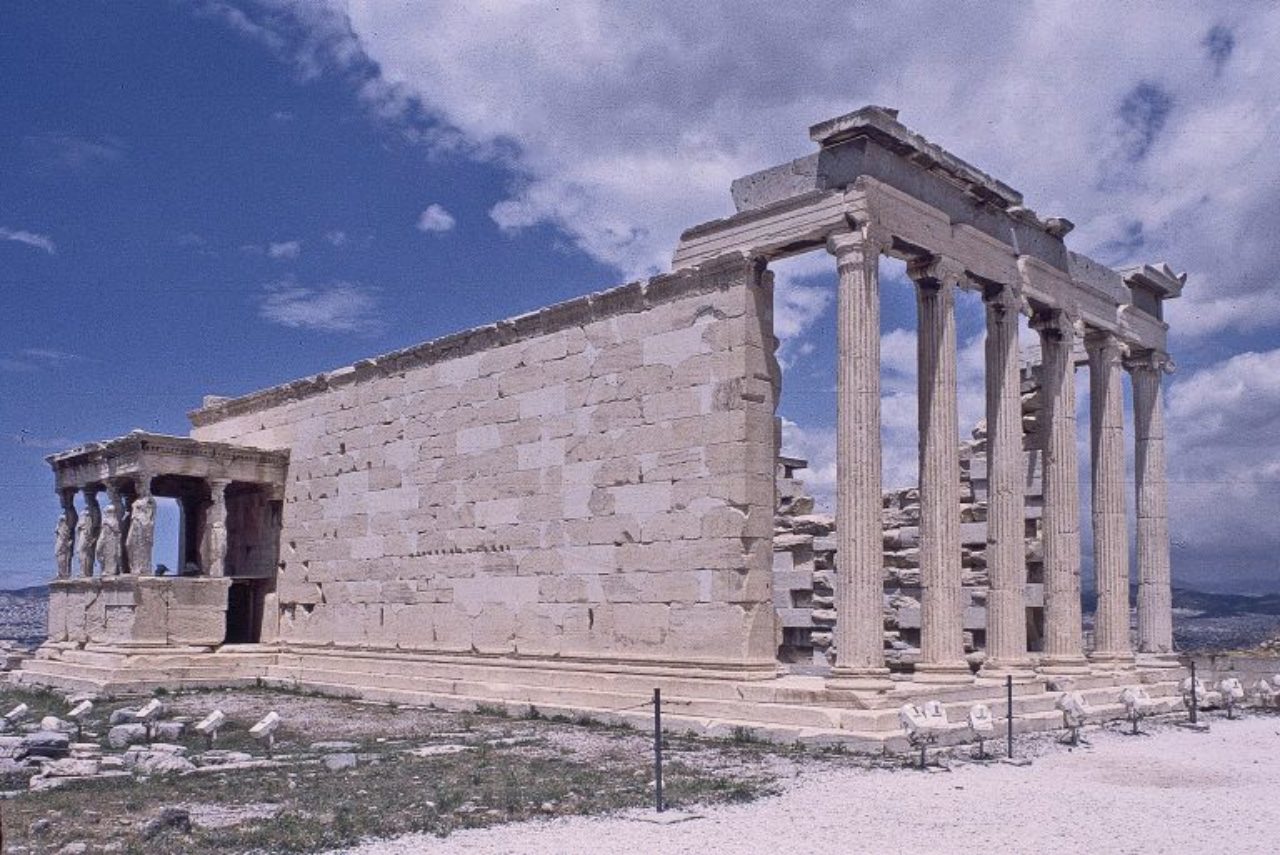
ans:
(244, 611)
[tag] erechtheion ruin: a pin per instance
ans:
(572, 507)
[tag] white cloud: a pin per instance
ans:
(337, 237)
(337, 307)
(1224, 465)
(288, 249)
(435, 219)
(623, 124)
(32, 239)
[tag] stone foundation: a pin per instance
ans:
(138, 611)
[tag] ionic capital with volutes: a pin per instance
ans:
(937, 271)
(1149, 361)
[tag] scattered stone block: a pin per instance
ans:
(122, 716)
(70, 767)
(46, 743)
(149, 762)
(338, 762)
(124, 735)
(168, 730)
(218, 757)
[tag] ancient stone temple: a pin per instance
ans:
(572, 507)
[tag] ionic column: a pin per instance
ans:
(1063, 642)
(941, 608)
(87, 528)
(1155, 600)
(1110, 528)
(215, 560)
(859, 528)
(1006, 491)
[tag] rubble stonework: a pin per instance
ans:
(572, 507)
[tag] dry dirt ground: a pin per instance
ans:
(1174, 791)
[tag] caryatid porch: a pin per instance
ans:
(229, 500)
(876, 188)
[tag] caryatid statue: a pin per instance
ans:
(109, 542)
(142, 534)
(87, 534)
(63, 546)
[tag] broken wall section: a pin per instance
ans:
(591, 480)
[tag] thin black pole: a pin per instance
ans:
(1194, 700)
(1008, 688)
(657, 749)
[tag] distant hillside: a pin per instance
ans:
(1226, 605)
(34, 592)
(23, 614)
(1207, 605)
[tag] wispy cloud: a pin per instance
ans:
(74, 152)
(38, 358)
(44, 443)
(339, 307)
(435, 219)
(284, 250)
(31, 239)
(337, 237)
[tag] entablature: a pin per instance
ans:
(147, 455)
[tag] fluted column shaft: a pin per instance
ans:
(1110, 527)
(1006, 490)
(1155, 603)
(859, 526)
(1063, 640)
(941, 607)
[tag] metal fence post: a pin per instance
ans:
(657, 749)
(1008, 688)
(1195, 701)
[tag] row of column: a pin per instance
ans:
(860, 633)
(121, 537)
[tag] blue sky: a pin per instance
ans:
(211, 197)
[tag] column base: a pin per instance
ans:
(1112, 661)
(1075, 664)
(943, 672)
(1158, 660)
(859, 680)
(1021, 670)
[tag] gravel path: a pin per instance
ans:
(1174, 792)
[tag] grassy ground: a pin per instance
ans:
(510, 770)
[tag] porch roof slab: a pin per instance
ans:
(151, 454)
